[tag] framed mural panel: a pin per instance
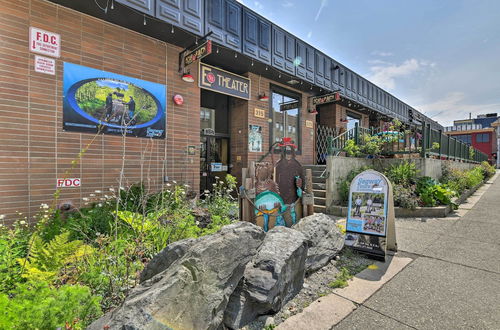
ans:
(97, 101)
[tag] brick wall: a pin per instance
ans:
(34, 150)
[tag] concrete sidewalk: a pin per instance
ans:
(452, 280)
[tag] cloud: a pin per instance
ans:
(385, 75)
(287, 4)
(258, 5)
(381, 53)
(323, 5)
(455, 106)
(240, 1)
(309, 34)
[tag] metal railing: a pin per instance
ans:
(426, 142)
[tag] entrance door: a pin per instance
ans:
(214, 160)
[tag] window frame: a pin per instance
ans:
(292, 94)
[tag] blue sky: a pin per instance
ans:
(440, 56)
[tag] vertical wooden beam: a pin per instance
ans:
(309, 189)
(242, 194)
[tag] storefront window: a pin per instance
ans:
(286, 122)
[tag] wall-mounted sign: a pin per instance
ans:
(216, 167)
(254, 138)
(259, 113)
(309, 124)
(224, 82)
(178, 99)
(45, 65)
(370, 218)
(44, 42)
(327, 98)
(97, 101)
(191, 150)
(198, 53)
(67, 183)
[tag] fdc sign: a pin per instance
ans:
(64, 183)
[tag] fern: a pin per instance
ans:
(46, 260)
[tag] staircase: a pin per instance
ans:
(319, 176)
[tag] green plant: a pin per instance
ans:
(13, 246)
(371, 144)
(35, 305)
(435, 146)
(351, 148)
(269, 327)
(405, 197)
(47, 260)
(488, 169)
(341, 279)
(437, 194)
(472, 152)
(404, 173)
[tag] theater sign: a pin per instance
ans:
(224, 82)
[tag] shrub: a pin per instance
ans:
(13, 245)
(35, 305)
(352, 149)
(404, 173)
(405, 197)
(488, 170)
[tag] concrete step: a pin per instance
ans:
(315, 167)
(317, 179)
(319, 186)
(319, 201)
(319, 209)
(319, 193)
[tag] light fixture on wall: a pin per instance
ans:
(342, 120)
(187, 77)
(263, 97)
(313, 111)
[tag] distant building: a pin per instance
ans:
(496, 124)
(478, 132)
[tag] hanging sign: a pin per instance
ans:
(198, 53)
(370, 218)
(224, 82)
(289, 106)
(45, 43)
(327, 98)
(45, 65)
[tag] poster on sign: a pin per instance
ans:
(97, 101)
(370, 217)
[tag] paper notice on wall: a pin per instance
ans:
(45, 65)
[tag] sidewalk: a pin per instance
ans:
(451, 282)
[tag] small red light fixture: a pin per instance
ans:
(342, 120)
(187, 77)
(178, 99)
(263, 97)
(313, 111)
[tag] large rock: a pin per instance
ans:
(166, 257)
(274, 276)
(193, 292)
(325, 239)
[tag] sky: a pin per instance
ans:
(440, 56)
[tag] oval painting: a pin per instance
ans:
(114, 102)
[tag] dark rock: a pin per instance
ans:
(325, 239)
(274, 276)
(193, 292)
(166, 257)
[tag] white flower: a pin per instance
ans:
(121, 188)
(106, 196)
(85, 199)
(92, 195)
(174, 182)
(44, 206)
(97, 191)
(2, 216)
(216, 178)
(22, 222)
(206, 191)
(168, 184)
(112, 189)
(100, 204)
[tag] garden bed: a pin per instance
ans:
(440, 211)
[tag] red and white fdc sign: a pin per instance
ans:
(64, 183)
(45, 43)
(45, 65)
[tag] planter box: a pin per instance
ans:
(420, 212)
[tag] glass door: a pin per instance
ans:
(214, 160)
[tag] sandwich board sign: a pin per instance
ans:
(370, 226)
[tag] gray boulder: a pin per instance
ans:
(325, 239)
(271, 279)
(166, 257)
(193, 292)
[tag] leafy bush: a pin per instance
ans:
(352, 149)
(35, 305)
(488, 170)
(371, 145)
(404, 173)
(405, 197)
(13, 245)
(437, 194)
